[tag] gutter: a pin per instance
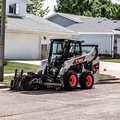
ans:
(40, 32)
(116, 32)
(96, 33)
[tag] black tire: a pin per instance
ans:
(86, 80)
(70, 80)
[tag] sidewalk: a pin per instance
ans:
(11, 74)
(110, 68)
(3, 86)
(33, 62)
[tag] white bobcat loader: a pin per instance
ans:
(67, 67)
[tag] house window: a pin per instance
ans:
(14, 9)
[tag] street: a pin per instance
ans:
(100, 103)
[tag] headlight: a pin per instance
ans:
(53, 70)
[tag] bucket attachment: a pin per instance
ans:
(29, 81)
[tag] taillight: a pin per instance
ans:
(95, 67)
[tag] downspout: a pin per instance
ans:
(40, 47)
(112, 45)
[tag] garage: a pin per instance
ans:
(22, 46)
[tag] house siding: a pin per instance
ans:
(103, 41)
(117, 38)
(61, 21)
(22, 4)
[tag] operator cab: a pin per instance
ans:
(62, 50)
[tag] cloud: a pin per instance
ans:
(116, 1)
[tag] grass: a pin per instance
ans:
(11, 66)
(111, 60)
(7, 80)
(101, 76)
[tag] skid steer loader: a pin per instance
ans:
(67, 66)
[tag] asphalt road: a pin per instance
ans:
(100, 103)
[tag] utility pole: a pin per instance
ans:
(2, 39)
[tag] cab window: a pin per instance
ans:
(77, 49)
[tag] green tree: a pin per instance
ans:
(73, 6)
(95, 8)
(36, 8)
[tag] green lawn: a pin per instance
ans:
(7, 80)
(111, 60)
(101, 76)
(11, 66)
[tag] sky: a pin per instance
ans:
(51, 4)
(116, 1)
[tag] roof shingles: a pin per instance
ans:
(90, 24)
(35, 23)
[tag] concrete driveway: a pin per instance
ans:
(110, 68)
(100, 103)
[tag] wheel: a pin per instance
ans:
(70, 80)
(86, 80)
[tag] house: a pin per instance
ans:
(28, 36)
(100, 31)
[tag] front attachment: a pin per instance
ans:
(22, 81)
(16, 84)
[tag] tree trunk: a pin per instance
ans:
(2, 39)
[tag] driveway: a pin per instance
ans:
(110, 68)
(100, 103)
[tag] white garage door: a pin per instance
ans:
(22, 46)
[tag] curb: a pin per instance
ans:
(109, 81)
(2, 86)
